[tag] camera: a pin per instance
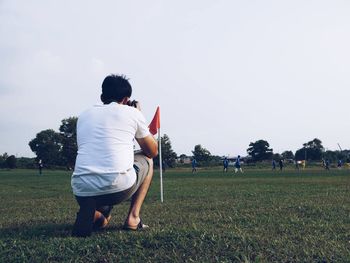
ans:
(132, 103)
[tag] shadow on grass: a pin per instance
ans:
(39, 231)
(46, 231)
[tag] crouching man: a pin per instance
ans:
(107, 172)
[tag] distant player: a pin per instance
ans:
(194, 165)
(238, 164)
(273, 165)
(225, 162)
(296, 165)
(327, 165)
(281, 164)
(340, 164)
(40, 166)
(303, 162)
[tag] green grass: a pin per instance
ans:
(261, 216)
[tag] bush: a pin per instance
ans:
(26, 163)
(10, 162)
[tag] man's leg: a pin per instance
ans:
(102, 217)
(85, 217)
(133, 218)
(105, 210)
(105, 203)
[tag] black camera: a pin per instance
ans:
(132, 103)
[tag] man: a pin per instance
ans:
(106, 171)
(327, 165)
(225, 162)
(194, 165)
(40, 165)
(340, 164)
(238, 164)
(273, 165)
(280, 162)
(296, 164)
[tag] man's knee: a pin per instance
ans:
(150, 167)
(141, 158)
(144, 165)
(150, 162)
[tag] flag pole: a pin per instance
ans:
(160, 165)
(154, 127)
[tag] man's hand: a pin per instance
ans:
(134, 103)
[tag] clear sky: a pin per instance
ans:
(224, 73)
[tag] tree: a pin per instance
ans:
(3, 160)
(345, 154)
(68, 131)
(311, 151)
(26, 163)
(47, 146)
(215, 160)
(11, 162)
(260, 150)
(276, 156)
(168, 155)
(182, 158)
(201, 154)
(7, 161)
(314, 144)
(288, 155)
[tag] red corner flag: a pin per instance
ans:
(155, 123)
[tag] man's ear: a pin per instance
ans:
(102, 98)
(125, 100)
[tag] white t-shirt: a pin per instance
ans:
(105, 136)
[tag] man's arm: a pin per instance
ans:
(149, 146)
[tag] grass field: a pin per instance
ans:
(261, 216)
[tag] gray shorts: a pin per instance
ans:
(141, 167)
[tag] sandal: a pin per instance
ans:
(140, 227)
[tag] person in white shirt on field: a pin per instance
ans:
(107, 172)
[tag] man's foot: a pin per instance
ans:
(100, 221)
(139, 227)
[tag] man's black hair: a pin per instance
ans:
(115, 88)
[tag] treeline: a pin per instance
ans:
(310, 151)
(59, 150)
(260, 151)
(11, 162)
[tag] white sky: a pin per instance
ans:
(225, 73)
